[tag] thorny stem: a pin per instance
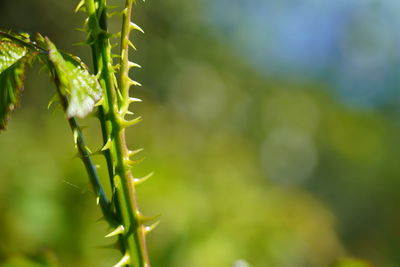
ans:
(124, 72)
(105, 130)
(133, 234)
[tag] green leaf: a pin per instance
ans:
(74, 81)
(17, 38)
(13, 61)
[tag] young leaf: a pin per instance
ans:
(13, 61)
(75, 82)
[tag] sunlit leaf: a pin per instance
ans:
(74, 82)
(13, 61)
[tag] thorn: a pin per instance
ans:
(97, 200)
(129, 112)
(144, 219)
(125, 123)
(98, 75)
(134, 26)
(124, 261)
(107, 145)
(100, 102)
(131, 153)
(139, 181)
(81, 29)
(52, 101)
(135, 83)
(117, 231)
(151, 227)
(134, 65)
(130, 163)
(132, 45)
(79, 6)
(134, 99)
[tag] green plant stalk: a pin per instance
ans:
(84, 155)
(102, 117)
(133, 229)
(106, 129)
(78, 90)
(126, 65)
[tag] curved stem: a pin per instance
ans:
(84, 154)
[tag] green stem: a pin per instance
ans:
(106, 134)
(124, 73)
(84, 154)
(133, 235)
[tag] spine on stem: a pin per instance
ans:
(131, 227)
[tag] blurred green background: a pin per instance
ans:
(272, 127)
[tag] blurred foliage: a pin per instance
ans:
(249, 167)
(351, 263)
